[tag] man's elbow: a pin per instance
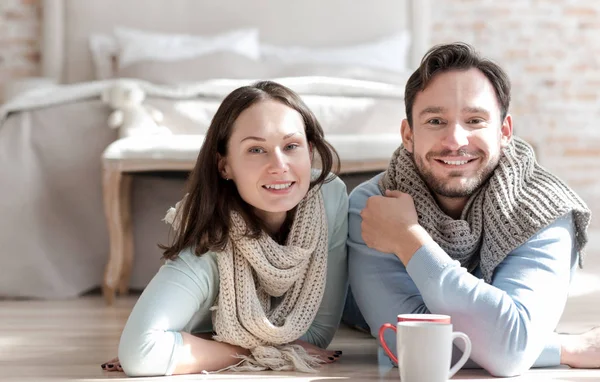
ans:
(507, 363)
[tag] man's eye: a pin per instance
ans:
(435, 121)
(475, 121)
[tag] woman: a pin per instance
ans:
(259, 253)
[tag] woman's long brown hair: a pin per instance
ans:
(211, 199)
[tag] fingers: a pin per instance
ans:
(329, 356)
(112, 365)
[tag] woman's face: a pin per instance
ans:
(269, 160)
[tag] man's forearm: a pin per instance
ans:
(505, 316)
(409, 242)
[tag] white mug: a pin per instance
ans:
(427, 317)
(425, 351)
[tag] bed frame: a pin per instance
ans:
(66, 58)
(68, 23)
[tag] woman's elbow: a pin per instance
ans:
(320, 338)
(133, 362)
(136, 358)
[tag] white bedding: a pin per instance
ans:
(361, 119)
(323, 86)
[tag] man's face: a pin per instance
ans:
(457, 134)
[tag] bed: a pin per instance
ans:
(54, 237)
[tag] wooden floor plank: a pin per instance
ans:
(42, 341)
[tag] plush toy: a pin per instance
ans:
(130, 115)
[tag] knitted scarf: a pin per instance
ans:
(269, 294)
(518, 200)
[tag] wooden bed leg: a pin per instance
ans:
(127, 231)
(111, 186)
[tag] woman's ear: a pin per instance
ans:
(223, 168)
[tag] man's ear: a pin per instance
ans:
(506, 131)
(407, 135)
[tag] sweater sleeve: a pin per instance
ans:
(327, 320)
(151, 342)
(510, 322)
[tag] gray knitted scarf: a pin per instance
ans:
(518, 200)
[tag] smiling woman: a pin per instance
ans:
(269, 160)
(258, 236)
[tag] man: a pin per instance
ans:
(465, 223)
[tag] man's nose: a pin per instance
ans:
(457, 136)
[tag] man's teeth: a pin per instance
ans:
(278, 186)
(456, 162)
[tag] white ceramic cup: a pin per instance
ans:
(420, 317)
(425, 351)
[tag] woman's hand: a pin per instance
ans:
(112, 365)
(326, 356)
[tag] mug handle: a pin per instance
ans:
(465, 355)
(384, 345)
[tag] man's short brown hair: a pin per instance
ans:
(456, 56)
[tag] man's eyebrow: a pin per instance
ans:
(263, 140)
(475, 109)
(432, 110)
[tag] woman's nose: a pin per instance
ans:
(277, 162)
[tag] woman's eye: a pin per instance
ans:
(292, 146)
(256, 150)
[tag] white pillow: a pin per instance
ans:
(136, 46)
(388, 53)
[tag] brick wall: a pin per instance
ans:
(19, 39)
(551, 51)
(549, 48)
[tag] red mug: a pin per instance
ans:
(439, 318)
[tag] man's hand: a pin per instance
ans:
(581, 350)
(390, 225)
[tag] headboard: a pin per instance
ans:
(68, 23)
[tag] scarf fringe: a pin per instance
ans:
(278, 358)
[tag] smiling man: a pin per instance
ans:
(464, 222)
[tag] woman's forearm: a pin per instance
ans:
(199, 354)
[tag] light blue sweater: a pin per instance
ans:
(180, 295)
(510, 322)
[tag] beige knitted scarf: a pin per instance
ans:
(518, 200)
(269, 293)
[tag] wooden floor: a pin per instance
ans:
(68, 340)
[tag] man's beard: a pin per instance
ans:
(465, 189)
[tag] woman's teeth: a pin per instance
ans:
(278, 186)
